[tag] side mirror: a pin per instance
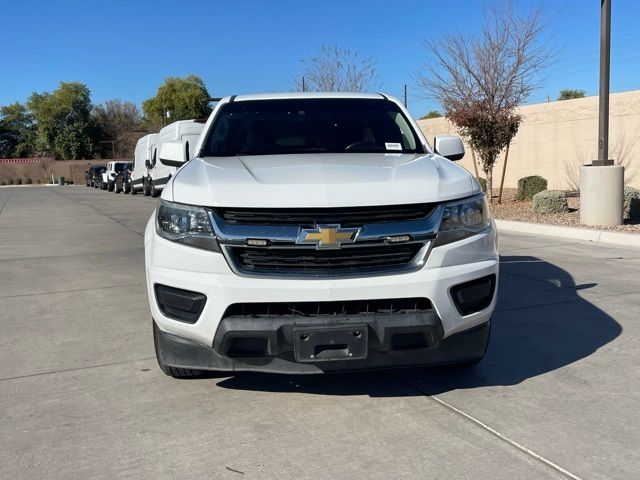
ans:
(449, 146)
(174, 154)
(147, 163)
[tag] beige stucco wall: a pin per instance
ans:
(555, 137)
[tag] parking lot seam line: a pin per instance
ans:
(495, 433)
(555, 245)
(5, 202)
(506, 439)
(71, 291)
(89, 367)
(72, 255)
(98, 211)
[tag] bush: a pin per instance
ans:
(38, 180)
(631, 208)
(18, 181)
(3, 182)
(10, 181)
(28, 181)
(550, 201)
(529, 186)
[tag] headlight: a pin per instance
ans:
(186, 224)
(463, 219)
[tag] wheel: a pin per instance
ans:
(174, 372)
(133, 191)
(145, 187)
(152, 189)
(126, 187)
(110, 186)
(104, 186)
(88, 183)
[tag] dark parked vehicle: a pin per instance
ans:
(97, 176)
(90, 175)
(122, 182)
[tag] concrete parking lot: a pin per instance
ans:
(558, 395)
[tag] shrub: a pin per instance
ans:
(38, 180)
(3, 182)
(10, 181)
(550, 201)
(28, 181)
(631, 208)
(18, 181)
(529, 186)
(483, 184)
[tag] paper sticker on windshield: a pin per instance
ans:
(393, 146)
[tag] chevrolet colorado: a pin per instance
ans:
(317, 232)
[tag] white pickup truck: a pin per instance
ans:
(317, 232)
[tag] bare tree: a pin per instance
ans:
(119, 123)
(336, 70)
(479, 80)
(623, 149)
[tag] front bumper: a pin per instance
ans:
(208, 273)
(180, 352)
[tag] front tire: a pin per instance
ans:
(174, 372)
(111, 186)
(152, 189)
(126, 187)
(145, 186)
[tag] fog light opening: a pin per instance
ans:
(471, 297)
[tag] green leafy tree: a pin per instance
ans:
(568, 94)
(17, 131)
(118, 122)
(431, 114)
(63, 121)
(177, 99)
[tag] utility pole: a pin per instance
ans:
(605, 63)
(405, 95)
(304, 87)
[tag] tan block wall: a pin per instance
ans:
(556, 137)
(73, 170)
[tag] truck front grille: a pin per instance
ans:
(348, 308)
(355, 259)
(308, 217)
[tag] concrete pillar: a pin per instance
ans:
(601, 194)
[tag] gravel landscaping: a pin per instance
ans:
(522, 211)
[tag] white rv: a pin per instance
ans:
(144, 155)
(159, 174)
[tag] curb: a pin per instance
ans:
(586, 234)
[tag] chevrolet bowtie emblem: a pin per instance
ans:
(328, 236)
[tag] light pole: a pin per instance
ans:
(605, 65)
(602, 182)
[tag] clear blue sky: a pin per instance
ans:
(124, 49)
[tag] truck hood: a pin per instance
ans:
(319, 180)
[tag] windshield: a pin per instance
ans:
(120, 167)
(269, 127)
